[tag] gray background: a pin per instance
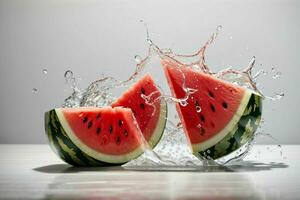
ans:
(94, 37)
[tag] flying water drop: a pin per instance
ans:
(183, 102)
(34, 90)
(219, 28)
(45, 71)
(68, 74)
(276, 97)
(276, 75)
(137, 59)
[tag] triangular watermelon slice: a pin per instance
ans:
(219, 117)
(151, 116)
(94, 136)
(110, 135)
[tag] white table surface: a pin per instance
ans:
(34, 172)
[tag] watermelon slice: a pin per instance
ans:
(94, 136)
(220, 117)
(151, 116)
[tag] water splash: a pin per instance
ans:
(173, 148)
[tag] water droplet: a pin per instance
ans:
(68, 74)
(276, 75)
(277, 96)
(198, 109)
(137, 59)
(34, 90)
(149, 41)
(190, 90)
(273, 69)
(219, 27)
(264, 72)
(45, 71)
(183, 103)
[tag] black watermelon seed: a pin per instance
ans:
(202, 131)
(98, 130)
(211, 94)
(202, 118)
(197, 103)
(118, 141)
(98, 116)
(125, 133)
(143, 91)
(110, 129)
(120, 123)
(85, 119)
(225, 105)
(142, 106)
(90, 124)
(212, 107)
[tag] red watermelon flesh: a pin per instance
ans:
(150, 118)
(218, 100)
(106, 131)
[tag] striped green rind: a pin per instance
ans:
(64, 147)
(241, 132)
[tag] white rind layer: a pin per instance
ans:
(159, 129)
(219, 136)
(115, 159)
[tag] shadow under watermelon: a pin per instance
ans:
(242, 166)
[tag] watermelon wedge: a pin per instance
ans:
(151, 116)
(94, 136)
(219, 117)
(110, 135)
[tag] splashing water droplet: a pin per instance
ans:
(34, 90)
(276, 97)
(276, 75)
(45, 71)
(68, 74)
(264, 72)
(137, 59)
(149, 41)
(273, 69)
(183, 102)
(198, 109)
(190, 90)
(219, 28)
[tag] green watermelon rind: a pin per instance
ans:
(58, 132)
(240, 132)
(61, 144)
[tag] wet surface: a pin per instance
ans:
(34, 172)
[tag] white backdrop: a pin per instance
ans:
(94, 37)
